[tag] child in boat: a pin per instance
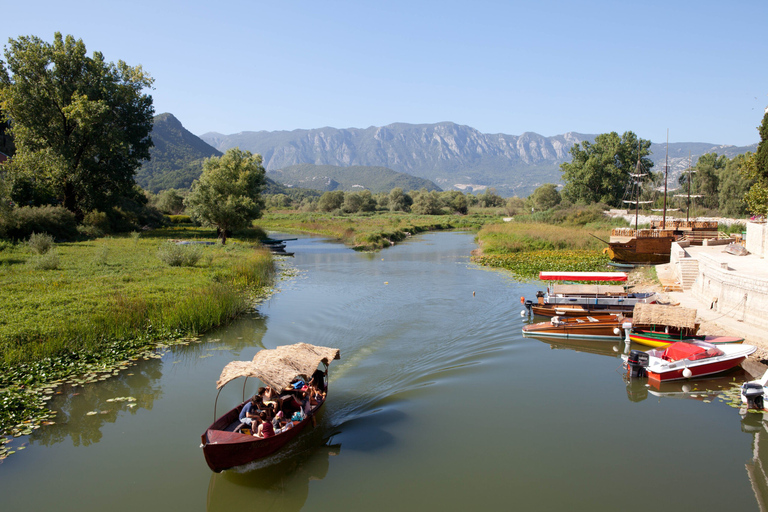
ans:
(265, 428)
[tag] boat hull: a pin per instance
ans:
(578, 328)
(579, 310)
(660, 340)
(224, 450)
(696, 370)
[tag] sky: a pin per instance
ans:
(695, 69)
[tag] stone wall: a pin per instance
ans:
(730, 293)
(757, 233)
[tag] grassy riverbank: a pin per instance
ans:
(85, 307)
(372, 231)
(528, 247)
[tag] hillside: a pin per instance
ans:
(177, 157)
(448, 154)
(332, 177)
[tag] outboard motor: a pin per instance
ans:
(637, 362)
(752, 395)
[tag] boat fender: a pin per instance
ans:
(616, 331)
(687, 373)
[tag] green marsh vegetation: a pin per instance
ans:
(561, 238)
(113, 299)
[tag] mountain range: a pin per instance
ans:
(450, 155)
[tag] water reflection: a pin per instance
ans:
(702, 390)
(603, 348)
(83, 410)
(283, 486)
(757, 468)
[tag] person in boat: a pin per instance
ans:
(250, 410)
(265, 428)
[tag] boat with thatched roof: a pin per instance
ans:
(657, 325)
(224, 446)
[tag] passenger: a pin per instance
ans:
(249, 411)
(265, 428)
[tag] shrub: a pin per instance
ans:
(177, 255)
(57, 221)
(40, 243)
(97, 220)
(179, 219)
(47, 261)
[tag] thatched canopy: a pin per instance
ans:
(278, 367)
(657, 314)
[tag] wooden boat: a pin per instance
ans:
(657, 325)
(225, 448)
(597, 327)
(583, 300)
(683, 360)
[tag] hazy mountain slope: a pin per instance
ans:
(450, 155)
(332, 177)
(177, 157)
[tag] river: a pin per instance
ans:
(437, 403)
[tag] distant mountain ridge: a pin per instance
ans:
(176, 159)
(448, 154)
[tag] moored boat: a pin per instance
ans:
(597, 327)
(223, 446)
(683, 360)
(585, 299)
(657, 325)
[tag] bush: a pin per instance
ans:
(177, 255)
(179, 219)
(57, 221)
(40, 243)
(97, 220)
(47, 261)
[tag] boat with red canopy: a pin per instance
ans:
(585, 299)
(224, 445)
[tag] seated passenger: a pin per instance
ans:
(250, 411)
(265, 428)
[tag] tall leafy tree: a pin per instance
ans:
(600, 171)
(81, 125)
(545, 197)
(706, 180)
(757, 170)
(734, 186)
(228, 194)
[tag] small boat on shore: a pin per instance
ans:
(223, 445)
(683, 360)
(585, 299)
(597, 327)
(656, 325)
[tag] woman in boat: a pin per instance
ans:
(265, 428)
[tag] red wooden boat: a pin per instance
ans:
(591, 327)
(225, 448)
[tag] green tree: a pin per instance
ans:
(399, 201)
(228, 193)
(81, 126)
(170, 202)
(733, 186)
(490, 199)
(600, 171)
(427, 203)
(455, 201)
(706, 180)
(756, 170)
(331, 201)
(545, 197)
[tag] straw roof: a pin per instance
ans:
(657, 314)
(278, 367)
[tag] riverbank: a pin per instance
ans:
(111, 301)
(370, 231)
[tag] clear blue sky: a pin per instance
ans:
(697, 68)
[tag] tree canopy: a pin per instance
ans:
(599, 171)
(228, 193)
(756, 171)
(81, 125)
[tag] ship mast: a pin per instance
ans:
(666, 174)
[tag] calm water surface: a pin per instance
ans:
(438, 403)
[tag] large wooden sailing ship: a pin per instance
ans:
(653, 245)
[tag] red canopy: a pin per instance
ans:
(583, 276)
(682, 350)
